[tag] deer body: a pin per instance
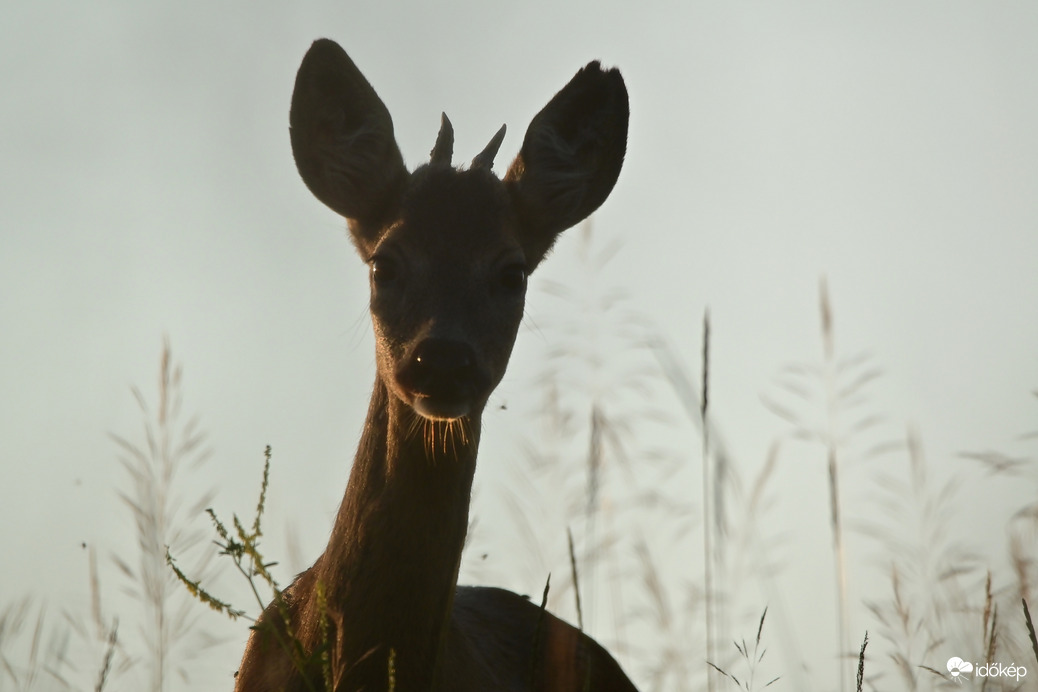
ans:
(449, 251)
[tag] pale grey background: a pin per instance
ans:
(147, 188)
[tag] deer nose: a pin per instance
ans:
(441, 357)
(443, 376)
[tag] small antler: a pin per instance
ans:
(443, 150)
(485, 158)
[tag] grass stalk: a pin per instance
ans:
(576, 581)
(708, 544)
(751, 658)
(1030, 629)
(836, 519)
(861, 663)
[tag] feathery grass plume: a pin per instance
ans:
(931, 571)
(597, 385)
(1022, 529)
(751, 659)
(734, 512)
(33, 650)
(839, 384)
(170, 632)
(742, 547)
(669, 664)
(832, 451)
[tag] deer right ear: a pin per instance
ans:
(342, 140)
(570, 159)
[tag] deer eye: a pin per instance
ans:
(384, 270)
(512, 278)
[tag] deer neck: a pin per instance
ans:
(391, 566)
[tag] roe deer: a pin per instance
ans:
(449, 251)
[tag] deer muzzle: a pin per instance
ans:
(442, 379)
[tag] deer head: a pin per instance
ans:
(450, 249)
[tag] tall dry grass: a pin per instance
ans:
(89, 647)
(595, 493)
(935, 584)
(33, 648)
(166, 517)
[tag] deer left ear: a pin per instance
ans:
(570, 159)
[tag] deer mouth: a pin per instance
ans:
(440, 409)
(443, 400)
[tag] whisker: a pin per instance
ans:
(451, 427)
(442, 438)
(464, 426)
(429, 439)
(417, 422)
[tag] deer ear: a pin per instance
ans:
(570, 158)
(342, 140)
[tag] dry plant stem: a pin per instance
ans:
(244, 552)
(834, 484)
(1030, 629)
(992, 643)
(106, 664)
(539, 632)
(861, 663)
(576, 581)
(708, 548)
(751, 659)
(989, 598)
(595, 453)
(108, 635)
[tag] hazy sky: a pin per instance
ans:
(147, 189)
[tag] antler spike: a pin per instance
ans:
(485, 158)
(443, 150)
